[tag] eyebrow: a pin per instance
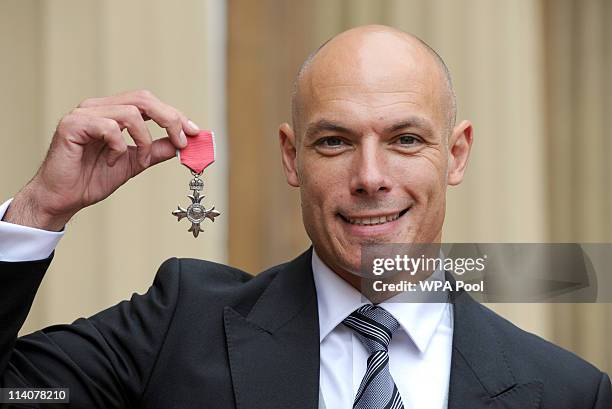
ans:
(326, 125)
(412, 121)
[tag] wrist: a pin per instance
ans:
(25, 210)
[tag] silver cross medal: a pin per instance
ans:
(199, 153)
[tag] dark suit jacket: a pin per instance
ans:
(206, 335)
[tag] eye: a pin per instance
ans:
(408, 140)
(330, 142)
(332, 145)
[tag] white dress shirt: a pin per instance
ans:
(21, 243)
(419, 352)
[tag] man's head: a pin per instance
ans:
(373, 144)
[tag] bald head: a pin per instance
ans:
(375, 55)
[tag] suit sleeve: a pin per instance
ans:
(105, 360)
(604, 394)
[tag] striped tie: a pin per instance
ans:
(374, 326)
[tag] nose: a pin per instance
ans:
(369, 175)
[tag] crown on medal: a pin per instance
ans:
(196, 184)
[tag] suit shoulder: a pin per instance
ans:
(195, 270)
(196, 278)
(206, 288)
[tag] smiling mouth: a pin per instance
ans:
(373, 220)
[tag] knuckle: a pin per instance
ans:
(145, 95)
(131, 115)
(109, 127)
(175, 119)
(86, 103)
(66, 123)
(133, 112)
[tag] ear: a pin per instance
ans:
(286, 138)
(459, 146)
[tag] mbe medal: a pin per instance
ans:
(197, 155)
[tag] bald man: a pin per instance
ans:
(373, 147)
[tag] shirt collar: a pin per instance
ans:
(336, 299)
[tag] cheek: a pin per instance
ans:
(322, 182)
(428, 189)
(422, 178)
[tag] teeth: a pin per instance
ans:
(370, 221)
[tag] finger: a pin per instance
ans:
(128, 117)
(106, 130)
(161, 150)
(82, 129)
(189, 126)
(151, 107)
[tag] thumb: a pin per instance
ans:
(162, 150)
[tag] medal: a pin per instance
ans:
(197, 155)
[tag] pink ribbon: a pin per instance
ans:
(199, 152)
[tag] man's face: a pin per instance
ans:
(372, 154)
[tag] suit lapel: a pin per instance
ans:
(274, 349)
(480, 374)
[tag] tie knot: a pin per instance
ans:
(373, 325)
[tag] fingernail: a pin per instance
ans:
(183, 139)
(193, 126)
